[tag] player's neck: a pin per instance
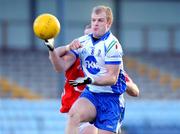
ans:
(95, 39)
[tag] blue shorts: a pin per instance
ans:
(109, 113)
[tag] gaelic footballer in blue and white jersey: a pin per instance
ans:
(95, 55)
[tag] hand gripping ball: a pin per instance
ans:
(46, 26)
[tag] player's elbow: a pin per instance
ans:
(135, 93)
(132, 90)
(57, 67)
(132, 93)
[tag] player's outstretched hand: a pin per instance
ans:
(50, 44)
(81, 81)
(75, 44)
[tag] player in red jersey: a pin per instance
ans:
(70, 93)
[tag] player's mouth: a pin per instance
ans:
(95, 29)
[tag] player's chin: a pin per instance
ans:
(96, 34)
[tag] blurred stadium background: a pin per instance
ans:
(149, 31)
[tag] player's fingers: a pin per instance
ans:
(74, 84)
(71, 81)
(72, 47)
(78, 45)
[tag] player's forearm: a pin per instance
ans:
(57, 62)
(61, 51)
(56, 58)
(132, 89)
(105, 80)
(109, 78)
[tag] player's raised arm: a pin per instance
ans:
(61, 57)
(47, 27)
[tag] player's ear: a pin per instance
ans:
(109, 24)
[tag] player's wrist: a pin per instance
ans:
(90, 80)
(50, 48)
(81, 81)
(50, 44)
(67, 48)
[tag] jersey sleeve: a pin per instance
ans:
(113, 52)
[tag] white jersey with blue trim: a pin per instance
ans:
(95, 55)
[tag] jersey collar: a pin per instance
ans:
(104, 37)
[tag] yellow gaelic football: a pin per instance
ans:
(46, 26)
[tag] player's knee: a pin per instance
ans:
(74, 117)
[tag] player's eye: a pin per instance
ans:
(93, 20)
(101, 20)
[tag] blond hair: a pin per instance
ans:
(107, 10)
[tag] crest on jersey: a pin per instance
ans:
(91, 65)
